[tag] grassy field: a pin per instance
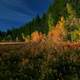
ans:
(40, 61)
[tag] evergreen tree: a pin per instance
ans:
(50, 22)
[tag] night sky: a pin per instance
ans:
(14, 13)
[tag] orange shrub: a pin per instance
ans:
(37, 37)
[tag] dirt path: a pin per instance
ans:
(12, 43)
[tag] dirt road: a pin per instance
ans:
(12, 43)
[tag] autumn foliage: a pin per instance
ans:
(57, 34)
(58, 31)
(42, 57)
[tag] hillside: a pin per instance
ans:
(69, 9)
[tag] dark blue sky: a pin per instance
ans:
(14, 13)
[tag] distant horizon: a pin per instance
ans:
(15, 13)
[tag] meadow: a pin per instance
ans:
(41, 60)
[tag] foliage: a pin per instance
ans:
(58, 32)
(70, 11)
(40, 61)
(50, 22)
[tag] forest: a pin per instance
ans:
(68, 9)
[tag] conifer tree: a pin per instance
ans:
(50, 22)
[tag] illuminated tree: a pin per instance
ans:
(58, 32)
(71, 12)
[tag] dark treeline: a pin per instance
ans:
(18, 34)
